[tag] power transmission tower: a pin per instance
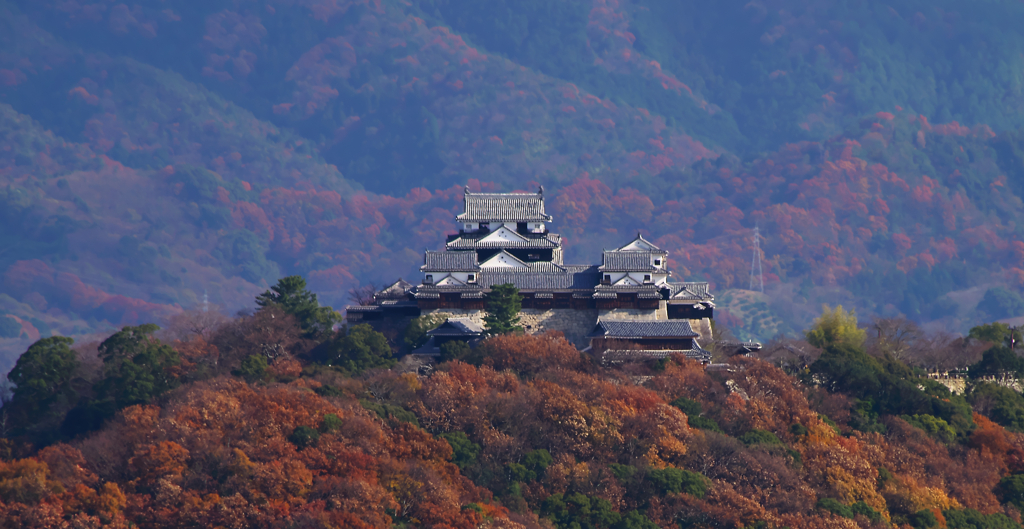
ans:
(756, 274)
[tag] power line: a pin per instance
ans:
(756, 274)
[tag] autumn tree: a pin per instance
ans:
(503, 306)
(292, 296)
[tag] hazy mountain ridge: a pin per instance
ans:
(208, 148)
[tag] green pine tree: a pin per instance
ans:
(290, 293)
(503, 306)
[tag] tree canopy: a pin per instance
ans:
(290, 293)
(503, 306)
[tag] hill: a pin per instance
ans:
(158, 156)
(255, 422)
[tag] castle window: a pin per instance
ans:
(472, 278)
(647, 278)
(469, 226)
(608, 278)
(429, 279)
(657, 262)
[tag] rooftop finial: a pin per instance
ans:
(541, 190)
(467, 189)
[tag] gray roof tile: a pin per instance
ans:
(616, 261)
(504, 207)
(644, 329)
(450, 262)
(534, 240)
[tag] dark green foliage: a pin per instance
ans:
(357, 350)
(690, 407)
(798, 429)
(9, 328)
(253, 368)
(416, 333)
(755, 437)
(136, 366)
(1004, 405)
(835, 507)
(331, 423)
(43, 377)
(455, 350)
(998, 361)
(1011, 490)
(291, 295)
(693, 411)
(996, 333)
(923, 519)
(390, 411)
(674, 480)
(464, 451)
(304, 436)
(866, 511)
(933, 426)
(884, 476)
(503, 306)
(886, 386)
(532, 467)
(1001, 303)
(578, 511)
(972, 519)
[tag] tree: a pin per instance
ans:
(43, 377)
(416, 332)
(359, 349)
(998, 361)
(995, 333)
(136, 366)
(893, 336)
(291, 295)
(835, 327)
(503, 306)
(1001, 303)
(364, 295)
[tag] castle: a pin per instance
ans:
(626, 307)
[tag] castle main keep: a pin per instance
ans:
(503, 238)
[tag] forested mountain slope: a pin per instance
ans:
(157, 154)
(271, 420)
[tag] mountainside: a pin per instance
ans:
(254, 422)
(155, 156)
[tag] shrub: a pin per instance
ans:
(304, 436)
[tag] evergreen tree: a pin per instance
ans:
(503, 306)
(360, 349)
(43, 377)
(136, 366)
(290, 293)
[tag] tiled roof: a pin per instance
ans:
(639, 244)
(644, 329)
(466, 241)
(697, 291)
(617, 356)
(616, 261)
(568, 278)
(504, 207)
(450, 262)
